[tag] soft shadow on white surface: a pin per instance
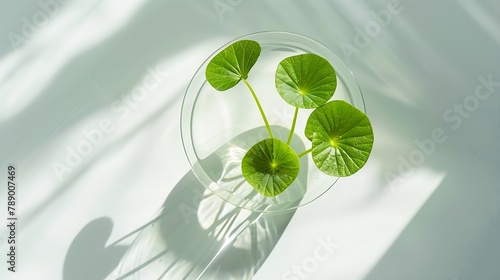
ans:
(197, 235)
(181, 244)
(426, 60)
(77, 95)
(88, 257)
(85, 83)
(455, 234)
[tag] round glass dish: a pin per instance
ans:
(217, 128)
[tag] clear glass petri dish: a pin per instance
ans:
(217, 128)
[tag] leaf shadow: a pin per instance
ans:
(88, 257)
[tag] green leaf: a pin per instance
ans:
(305, 81)
(232, 64)
(270, 166)
(342, 138)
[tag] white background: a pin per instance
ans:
(67, 64)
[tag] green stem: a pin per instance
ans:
(304, 153)
(260, 108)
(293, 125)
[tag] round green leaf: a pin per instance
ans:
(306, 80)
(270, 166)
(232, 64)
(342, 138)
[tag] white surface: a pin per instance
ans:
(438, 222)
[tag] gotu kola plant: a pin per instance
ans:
(341, 136)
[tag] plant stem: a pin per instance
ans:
(293, 125)
(304, 153)
(260, 108)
